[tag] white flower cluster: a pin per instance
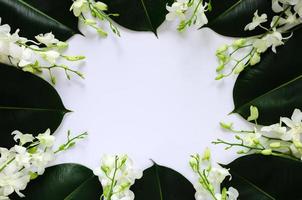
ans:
(116, 175)
(281, 139)
(34, 56)
(27, 160)
(188, 12)
(210, 179)
(81, 9)
(247, 52)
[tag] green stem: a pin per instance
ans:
(113, 179)
(207, 185)
(205, 182)
(274, 152)
(250, 54)
(249, 45)
(189, 21)
(69, 141)
(237, 144)
(102, 15)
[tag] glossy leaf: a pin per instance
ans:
(229, 17)
(27, 103)
(33, 17)
(273, 85)
(259, 177)
(139, 15)
(162, 183)
(65, 181)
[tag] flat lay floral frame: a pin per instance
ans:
(264, 55)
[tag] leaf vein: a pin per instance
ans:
(148, 16)
(33, 109)
(253, 185)
(45, 15)
(231, 8)
(77, 188)
(158, 182)
(267, 93)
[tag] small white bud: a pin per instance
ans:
(275, 145)
(194, 162)
(226, 126)
(219, 77)
(206, 155)
(239, 68)
(62, 45)
(101, 6)
(89, 22)
(222, 49)
(297, 144)
(74, 58)
(255, 58)
(241, 152)
(254, 113)
(220, 68)
(239, 43)
(101, 32)
(266, 152)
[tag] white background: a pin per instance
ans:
(152, 98)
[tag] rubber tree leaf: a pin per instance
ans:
(162, 183)
(229, 17)
(273, 85)
(28, 104)
(65, 181)
(33, 17)
(259, 177)
(139, 15)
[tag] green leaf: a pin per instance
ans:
(139, 15)
(162, 183)
(33, 17)
(259, 177)
(273, 85)
(65, 181)
(229, 17)
(28, 104)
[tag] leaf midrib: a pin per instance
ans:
(231, 8)
(158, 182)
(266, 93)
(45, 15)
(148, 16)
(77, 188)
(33, 109)
(253, 185)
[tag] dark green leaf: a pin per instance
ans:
(259, 177)
(162, 183)
(65, 181)
(139, 15)
(229, 17)
(33, 17)
(27, 103)
(273, 85)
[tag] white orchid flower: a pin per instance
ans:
(78, 7)
(257, 20)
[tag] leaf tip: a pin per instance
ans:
(154, 163)
(67, 111)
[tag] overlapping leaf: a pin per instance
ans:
(65, 181)
(33, 17)
(162, 183)
(259, 177)
(229, 17)
(139, 15)
(273, 85)
(28, 104)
